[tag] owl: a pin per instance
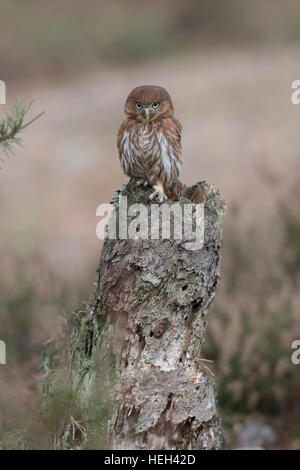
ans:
(149, 140)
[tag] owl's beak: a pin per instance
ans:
(147, 112)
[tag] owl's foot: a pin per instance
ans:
(159, 195)
(142, 182)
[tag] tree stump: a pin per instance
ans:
(134, 350)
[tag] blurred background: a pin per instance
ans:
(228, 67)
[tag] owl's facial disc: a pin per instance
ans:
(148, 102)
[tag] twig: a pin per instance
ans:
(11, 125)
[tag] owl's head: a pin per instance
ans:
(148, 103)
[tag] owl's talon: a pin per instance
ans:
(161, 197)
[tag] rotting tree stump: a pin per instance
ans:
(136, 346)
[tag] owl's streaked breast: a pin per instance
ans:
(147, 151)
(143, 138)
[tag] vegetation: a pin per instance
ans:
(12, 125)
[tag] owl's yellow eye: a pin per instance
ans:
(138, 105)
(155, 105)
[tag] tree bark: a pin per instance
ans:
(136, 346)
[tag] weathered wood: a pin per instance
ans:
(137, 345)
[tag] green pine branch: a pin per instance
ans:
(11, 125)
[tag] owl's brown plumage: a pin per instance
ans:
(149, 139)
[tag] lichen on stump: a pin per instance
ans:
(137, 344)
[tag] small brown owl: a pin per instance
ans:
(149, 139)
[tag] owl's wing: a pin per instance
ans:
(124, 148)
(120, 138)
(129, 154)
(178, 129)
(174, 129)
